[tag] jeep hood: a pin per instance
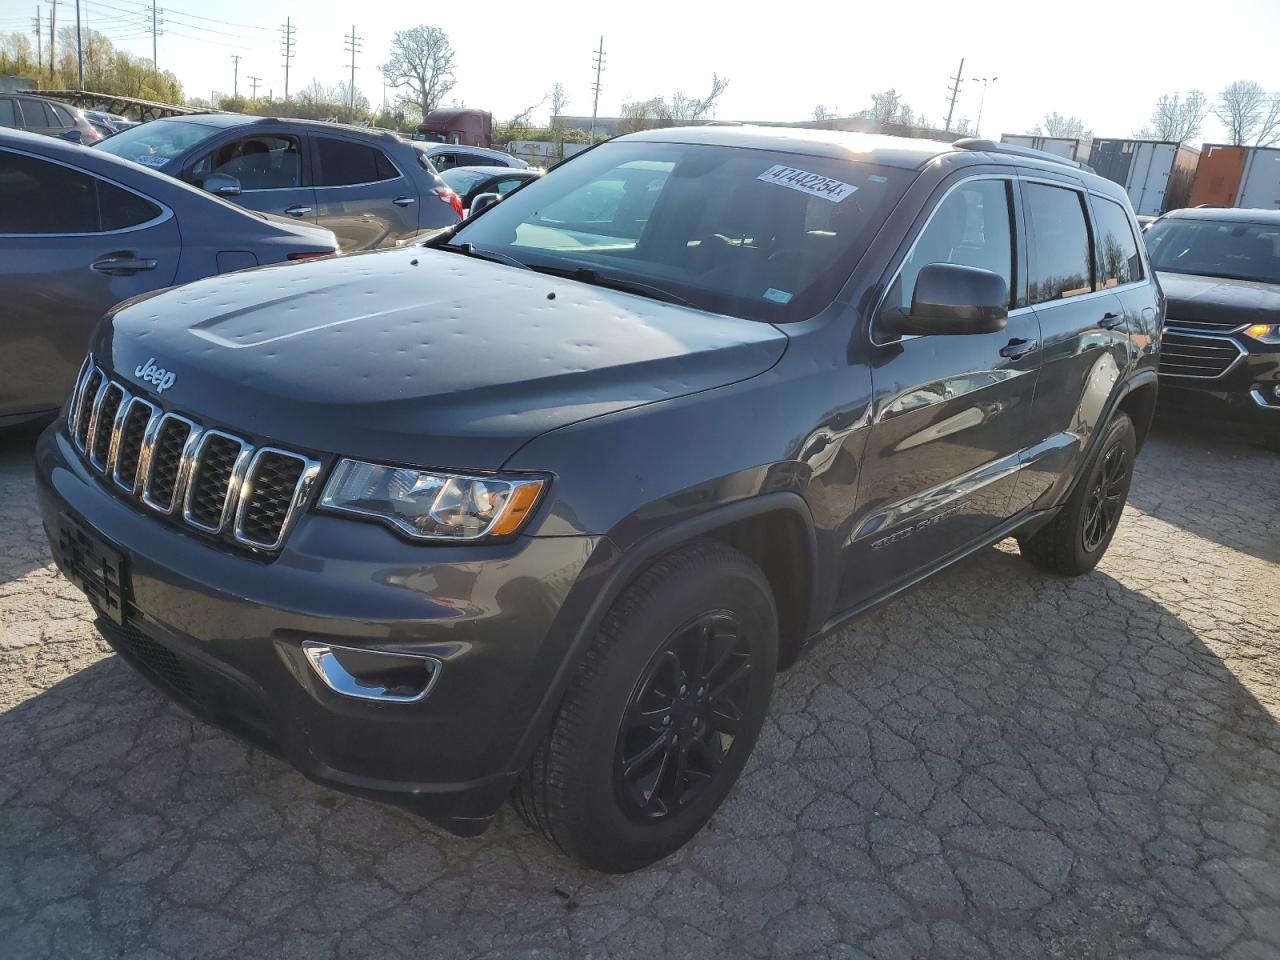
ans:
(419, 356)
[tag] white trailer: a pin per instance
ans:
(1156, 175)
(1260, 181)
(1068, 147)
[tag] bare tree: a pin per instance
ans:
(1057, 125)
(1176, 119)
(886, 108)
(1269, 124)
(421, 62)
(821, 113)
(1250, 113)
(559, 100)
(683, 108)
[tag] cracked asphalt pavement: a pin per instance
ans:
(998, 764)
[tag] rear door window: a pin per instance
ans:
(1059, 248)
(33, 113)
(39, 197)
(1118, 259)
(444, 161)
(8, 117)
(263, 162)
(343, 163)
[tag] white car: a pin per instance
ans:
(446, 156)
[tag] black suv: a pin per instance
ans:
(369, 187)
(538, 510)
(1221, 359)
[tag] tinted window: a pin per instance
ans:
(503, 187)
(1058, 243)
(119, 208)
(444, 161)
(343, 163)
(41, 197)
(479, 160)
(1245, 251)
(7, 117)
(970, 227)
(154, 143)
(1118, 248)
(756, 233)
(63, 115)
(33, 113)
(259, 163)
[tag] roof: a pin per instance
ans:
(496, 171)
(225, 121)
(1225, 214)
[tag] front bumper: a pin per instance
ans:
(222, 631)
(1243, 398)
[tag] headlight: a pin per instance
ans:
(1266, 332)
(434, 505)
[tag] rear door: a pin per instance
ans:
(72, 245)
(36, 117)
(361, 195)
(272, 169)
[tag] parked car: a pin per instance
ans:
(1220, 269)
(40, 115)
(371, 189)
(543, 505)
(112, 121)
(81, 230)
(446, 156)
(471, 182)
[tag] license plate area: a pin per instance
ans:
(94, 566)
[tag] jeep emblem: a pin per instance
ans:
(149, 373)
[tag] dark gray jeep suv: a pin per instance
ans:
(538, 510)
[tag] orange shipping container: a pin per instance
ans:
(1218, 176)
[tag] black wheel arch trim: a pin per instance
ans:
(624, 566)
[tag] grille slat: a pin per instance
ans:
(1200, 323)
(1191, 355)
(173, 462)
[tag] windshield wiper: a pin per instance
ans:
(587, 275)
(471, 250)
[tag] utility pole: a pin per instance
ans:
(53, 37)
(287, 41)
(235, 76)
(352, 42)
(79, 48)
(598, 57)
(39, 42)
(977, 130)
(155, 23)
(253, 87)
(955, 92)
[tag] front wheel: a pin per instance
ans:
(662, 714)
(1075, 540)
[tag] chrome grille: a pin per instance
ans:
(1201, 356)
(176, 467)
(1200, 323)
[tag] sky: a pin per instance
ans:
(1103, 61)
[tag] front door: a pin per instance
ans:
(271, 169)
(950, 412)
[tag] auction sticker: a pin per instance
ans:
(150, 160)
(814, 184)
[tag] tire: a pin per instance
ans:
(1073, 542)
(703, 602)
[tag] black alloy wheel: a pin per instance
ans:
(682, 717)
(1107, 497)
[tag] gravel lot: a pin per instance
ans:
(1000, 764)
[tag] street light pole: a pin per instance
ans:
(977, 130)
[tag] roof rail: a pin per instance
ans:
(991, 146)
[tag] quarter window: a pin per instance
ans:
(1058, 243)
(39, 197)
(970, 227)
(343, 163)
(1118, 262)
(259, 163)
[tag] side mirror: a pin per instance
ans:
(951, 299)
(483, 201)
(222, 185)
(74, 135)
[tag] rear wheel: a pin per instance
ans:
(662, 714)
(1076, 539)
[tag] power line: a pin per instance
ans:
(352, 43)
(598, 63)
(287, 40)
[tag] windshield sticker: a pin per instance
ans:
(814, 184)
(150, 160)
(777, 296)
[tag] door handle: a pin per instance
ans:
(1018, 348)
(122, 264)
(298, 211)
(1110, 320)
(404, 201)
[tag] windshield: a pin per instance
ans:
(156, 143)
(1216, 248)
(751, 233)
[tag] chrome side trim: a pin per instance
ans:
(301, 492)
(230, 494)
(341, 681)
(184, 463)
(153, 419)
(1260, 399)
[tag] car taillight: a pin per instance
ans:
(312, 254)
(451, 198)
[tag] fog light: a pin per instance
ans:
(1275, 391)
(372, 674)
